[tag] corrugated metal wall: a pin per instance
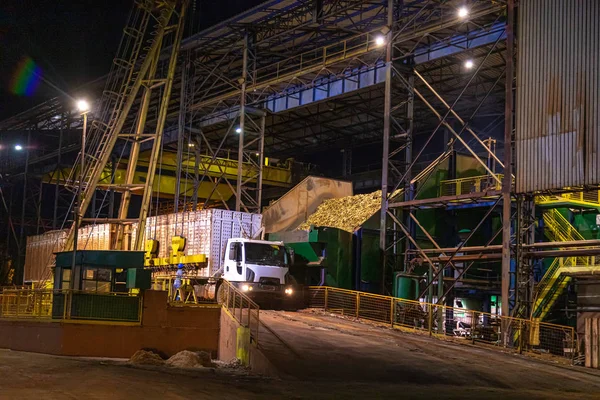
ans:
(206, 232)
(558, 94)
(40, 248)
(38, 253)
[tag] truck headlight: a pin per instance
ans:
(245, 288)
(289, 291)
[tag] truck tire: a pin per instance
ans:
(220, 295)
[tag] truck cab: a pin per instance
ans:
(258, 267)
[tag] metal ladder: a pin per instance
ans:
(118, 87)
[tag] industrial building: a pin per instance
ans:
(438, 156)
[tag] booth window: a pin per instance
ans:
(96, 279)
(66, 279)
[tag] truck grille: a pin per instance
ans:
(269, 281)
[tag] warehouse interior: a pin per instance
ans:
(439, 151)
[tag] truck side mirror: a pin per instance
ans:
(292, 256)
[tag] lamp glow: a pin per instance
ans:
(463, 12)
(83, 106)
(379, 41)
(469, 64)
(18, 147)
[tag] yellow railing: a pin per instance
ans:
(473, 184)
(242, 308)
(553, 283)
(585, 198)
(71, 305)
(26, 304)
(442, 321)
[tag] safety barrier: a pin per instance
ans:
(589, 198)
(241, 307)
(71, 305)
(447, 322)
(26, 303)
(472, 184)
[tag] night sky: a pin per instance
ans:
(49, 46)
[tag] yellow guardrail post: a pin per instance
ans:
(520, 344)
(430, 320)
(357, 304)
(392, 303)
(326, 295)
(573, 348)
(18, 303)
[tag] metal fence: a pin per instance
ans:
(448, 322)
(473, 184)
(70, 305)
(241, 307)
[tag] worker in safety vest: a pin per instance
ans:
(177, 283)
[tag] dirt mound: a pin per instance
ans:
(143, 357)
(190, 359)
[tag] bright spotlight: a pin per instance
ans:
(469, 64)
(463, 12)
(379, 41)
(190, 144)
(238, 130)
(83, 106)
(18, 147)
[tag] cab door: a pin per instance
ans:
(234, 265)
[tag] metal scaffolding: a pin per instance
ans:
(300, 79)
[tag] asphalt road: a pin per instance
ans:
(319, 357)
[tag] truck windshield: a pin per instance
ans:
(265, 254)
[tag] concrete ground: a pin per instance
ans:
(320, 357)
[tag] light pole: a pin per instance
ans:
(84, 108)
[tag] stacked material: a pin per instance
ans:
(143, 357)
(345, 213)
(190, 359)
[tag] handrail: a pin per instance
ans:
(241, 307)
(472, 184)
(552, 283)
(48, 304)
(524, 334)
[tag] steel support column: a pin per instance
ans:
(507, 183)
(242, 127)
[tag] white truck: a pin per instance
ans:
(260, 269)
(206, 246)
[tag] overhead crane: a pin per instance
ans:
(165, 184)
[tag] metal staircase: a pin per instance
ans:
(554, 281)
(118, 87)
(135, 77)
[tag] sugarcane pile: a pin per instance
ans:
(345, 213)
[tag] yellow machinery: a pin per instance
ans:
(175, 258)
(166, 185)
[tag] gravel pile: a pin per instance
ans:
(345, 213)
(143, 357)
(190, 359)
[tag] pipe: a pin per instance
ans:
(574, 243)
(462, 249)
(562, 253)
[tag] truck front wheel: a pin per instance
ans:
(221, 296)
